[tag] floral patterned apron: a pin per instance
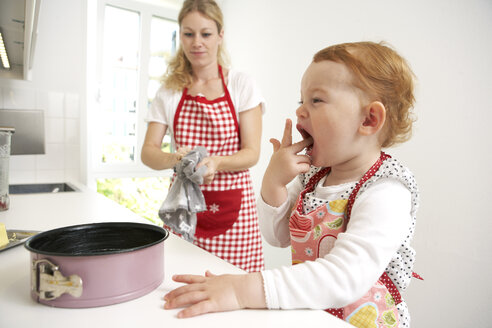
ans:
(313, 235)
(229, 227)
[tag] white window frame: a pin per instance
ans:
(96, 169)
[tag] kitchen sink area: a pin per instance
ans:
(37, 188)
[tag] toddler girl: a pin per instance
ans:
(346, 208)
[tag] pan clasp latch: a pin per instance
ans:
(48, 282)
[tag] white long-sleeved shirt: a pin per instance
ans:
(377, 239)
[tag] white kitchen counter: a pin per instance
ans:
(48, 211)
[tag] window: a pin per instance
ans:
(134, 42)
(116, 125)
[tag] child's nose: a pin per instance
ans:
(301, 111)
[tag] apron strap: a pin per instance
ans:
(364, 179)
(178, 110)
(231, 105)
(313, 181)
(390, 285)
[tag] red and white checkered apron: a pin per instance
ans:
(229, 227)
(314, 234)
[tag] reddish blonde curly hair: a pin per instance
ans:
(383, 75)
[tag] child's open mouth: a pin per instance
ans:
(305, 135)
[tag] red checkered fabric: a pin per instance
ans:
(240, 245)
(207, 124)
(213, 125)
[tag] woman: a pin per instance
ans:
(205, 104)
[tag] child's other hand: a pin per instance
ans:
(286, 163)
(211, 293)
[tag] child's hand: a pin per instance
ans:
(211, 293)
(285, 165)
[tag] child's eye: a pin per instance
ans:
(300, 102)
(316, 100)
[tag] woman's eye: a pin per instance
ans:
(206, 35)
(188, 34)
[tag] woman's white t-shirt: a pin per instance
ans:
(245, 95)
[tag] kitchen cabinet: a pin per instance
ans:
(18, 26)
(48, 211)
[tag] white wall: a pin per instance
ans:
(58, 88)
(449, 46)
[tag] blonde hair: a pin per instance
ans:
(383, 74)
(179, 71)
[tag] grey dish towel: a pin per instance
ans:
(185, 199)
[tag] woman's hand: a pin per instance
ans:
(152, 154)
(181, 152)
(211, 293)
(212, 163)
(285, 164)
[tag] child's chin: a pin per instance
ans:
(315, 159)
(312, 154)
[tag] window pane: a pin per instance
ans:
(163, 40)
(118, 117)
(143, 196)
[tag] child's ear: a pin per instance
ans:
(374, 118)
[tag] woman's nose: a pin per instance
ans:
(196, 41)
